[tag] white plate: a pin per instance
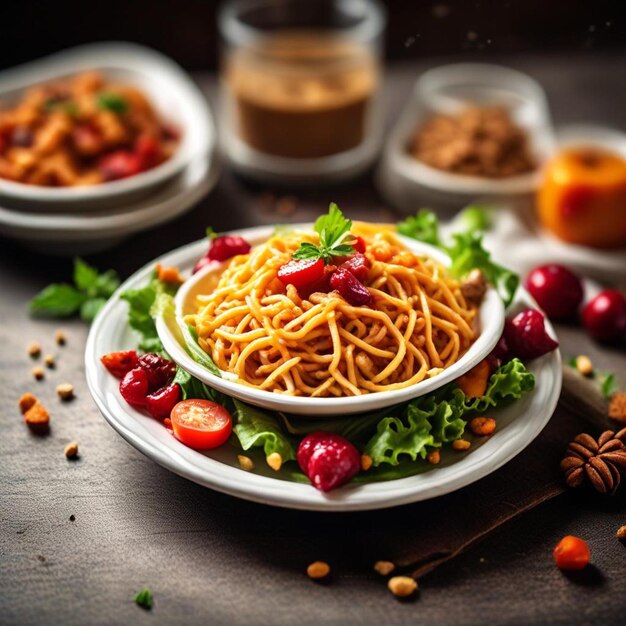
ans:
(173, 94)
(518, 425)
(73, 234)
(491, 325)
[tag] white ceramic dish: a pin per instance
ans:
(406, 182)
(168, 87)
(491, 325)
(71, 234)
(518, 425)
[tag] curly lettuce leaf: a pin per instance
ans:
(424, 226)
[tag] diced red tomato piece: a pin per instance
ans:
(359, 244)
(226, 247)
(120, 363)
(148, 150)
(120, 164)
(350, 287)
(134, 387)
(160, 403)
(160, 371)
(201, 424)
(358, 265)
(301, 273)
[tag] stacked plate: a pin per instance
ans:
(86, 219)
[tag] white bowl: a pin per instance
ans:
(491, 319)
(173, 94)
(407, 183)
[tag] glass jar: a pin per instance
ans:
(299, 83)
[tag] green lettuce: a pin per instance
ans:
(424, 226)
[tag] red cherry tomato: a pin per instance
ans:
(201, 424)
(604, 316)
(120, 363)
(301, 273)
(119, 164)
(558, 291)
(571, 553)
(134, 387)
(160, 403)
(226, 247)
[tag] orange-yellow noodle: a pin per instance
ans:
(273, 338)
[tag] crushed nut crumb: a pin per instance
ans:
(402, 586)
(245, 462)
(621, 533)
(33, 349)
(461, 444)
(483, 426)
(26, 401)
(384, 568)
(617, 407)
(366, 462)
(49, 360)
(38, 372)
(71, 450)
(434, 457)
(275, 461)
(60, 338)
(65, 391)
(584, 365)
(318, 570)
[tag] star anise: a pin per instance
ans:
(600, 461)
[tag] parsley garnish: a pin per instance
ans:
(333, 229)
(144, 599)
(87, 296)
(112, 102)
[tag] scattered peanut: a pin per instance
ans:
(384, 568)
(461, 444)
(71, 450)
(275, 461)
(245, 462)
(621, 533)
(402, 586)
(434, 457)
(26, 402)
(49, 360)
(37, 417)
(38, 372)
(65, 391)
(33, 349)
(60, 338)
(366, 462)
(318, 570)
(483, 426)
(584, 365)
(617, 407)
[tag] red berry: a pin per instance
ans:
(301, 273)
(159, 371)
(358, 265)
(119, 164)
(119, 363)
(604, 316)
(558, 291)
(526, 335)
(203, 262)
(350, 287)
(330, 460)
(359, 244)
(160, 403)
(134, 387)
(226, 247)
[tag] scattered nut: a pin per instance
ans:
(461, 444)
(60, 338)
(384, 568)
(245, 462)
(71, 450)
(318, 570)
(38, 372)
(26, 402)
(621, 533)
(275, 461)
(434, 457)
(402, 586)
(49, 361)
(65, 391)
(33, 349)
(617, 407)
(366, 462)
(37, 418)
(474, 286)
(483, 426)
(584, 365)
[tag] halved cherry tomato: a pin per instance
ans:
(301, 273)
(120, 363)
(201, 424)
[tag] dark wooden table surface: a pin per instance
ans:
(212, 559)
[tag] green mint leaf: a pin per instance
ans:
(90, 308)
(85, 276)
(332, 226)
(144, 599)
(424, 226)
(107, 283)
(342, 249)
(57, 300)
(308, 251)
(608, 385)
(112, 102)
